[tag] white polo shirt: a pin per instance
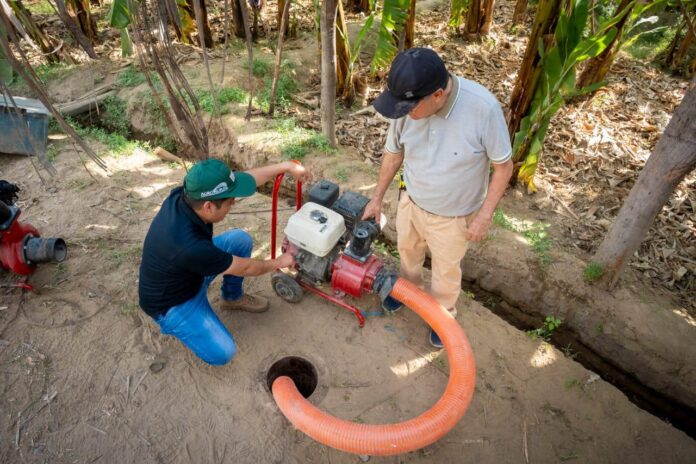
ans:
(447, 156)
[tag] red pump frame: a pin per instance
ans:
(274, 223)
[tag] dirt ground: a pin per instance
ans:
(87, 377)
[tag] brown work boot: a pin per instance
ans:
(249, 303)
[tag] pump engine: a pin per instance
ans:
(332, 244)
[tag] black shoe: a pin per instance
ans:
(435, 340)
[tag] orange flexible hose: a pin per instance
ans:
(413, 434)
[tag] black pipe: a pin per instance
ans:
(43, 250)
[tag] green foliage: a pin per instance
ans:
(120, 17)
(116, 144)
(114, 116)
(458, 11)
(548, 327)
(131, 77)
(224, 96)
(259, 67)
(593, 272)
(297, 142)
(42, 7)
(394, 16)
(285, 87)
(354, 51)
(557, 83)
(536, 233)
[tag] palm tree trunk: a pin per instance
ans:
(674, 157)
(328, 70)
(597, 68)
(530, 70)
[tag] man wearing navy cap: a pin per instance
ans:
(447, 132)
(181, 257)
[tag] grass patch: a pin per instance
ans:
(286, 86)
(259, 67)
(536, 234)
(651, 44)
(224, 96)
(297, 142)
(114, 116)
(593, 272)
(116, 144)
(131, 77)
(342, 174)
(42, 7)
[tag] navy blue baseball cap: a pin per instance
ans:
(414, 74)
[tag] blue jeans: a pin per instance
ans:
(194, 323)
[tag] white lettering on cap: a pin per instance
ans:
(220, 188)
(232, 176)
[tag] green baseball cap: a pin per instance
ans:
(211, 179)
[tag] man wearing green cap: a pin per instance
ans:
(181, 257)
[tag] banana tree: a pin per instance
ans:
(119, 18)
(395, 13)
(479, 17)
(628, 11)
(557, 82)
(75, 29)
(80, 12)
(683, 41)
(48, 47)
(348, 72)
(457, 17)
(530, 70)
(187, 16)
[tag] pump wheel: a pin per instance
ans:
(287, 288)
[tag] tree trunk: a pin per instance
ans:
(279, 53)
(47, 46)
(75, 30)
(79, 10)
(688, 38)
(598, 67)
(281, 8)
(328, 70)
(190, 10)
(343, 78)
(410, 29)
(530, 69)
(673, 158)
(238, 19)
(359, 6)
(479, 18)
(520, 11)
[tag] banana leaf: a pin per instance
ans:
(394, 16)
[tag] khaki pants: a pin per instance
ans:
(419, 230)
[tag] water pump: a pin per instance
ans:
(21, 245)
(332, 245)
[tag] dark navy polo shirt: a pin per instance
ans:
(178, 253)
